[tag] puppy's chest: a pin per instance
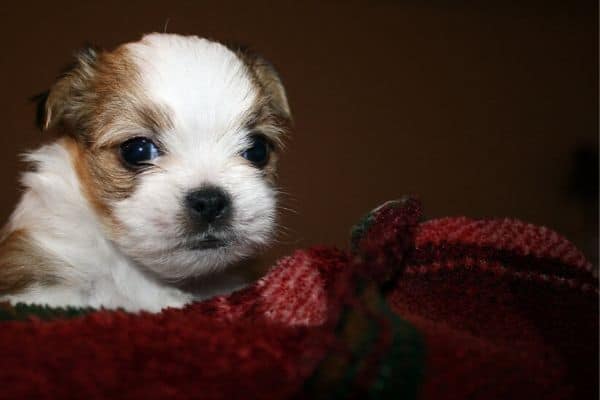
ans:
(100, 276)
(121, 284)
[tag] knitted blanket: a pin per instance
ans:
(452, 308)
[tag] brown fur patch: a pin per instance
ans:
(100, 175)
(23, 263)
(100, 100)
(121, 107)
(67, 99)
(104, 107)
(266, 78)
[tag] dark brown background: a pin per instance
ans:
(478, 109)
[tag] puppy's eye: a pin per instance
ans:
(138, 151)
(258, 152)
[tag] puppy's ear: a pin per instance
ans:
(40, 108)
(271, 83)
(267, 78)
(66, 100)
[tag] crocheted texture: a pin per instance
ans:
(449, 308)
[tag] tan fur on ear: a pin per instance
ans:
(267, 78)
(271, 83)
(68, 96)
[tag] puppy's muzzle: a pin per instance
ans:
(209, 206)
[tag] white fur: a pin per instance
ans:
(208, 92)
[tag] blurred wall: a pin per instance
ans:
(478, 109)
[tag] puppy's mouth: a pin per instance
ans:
(206, 243)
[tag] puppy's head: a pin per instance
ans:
(175, 141)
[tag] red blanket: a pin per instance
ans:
(451, 308)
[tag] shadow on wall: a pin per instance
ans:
(583, 191)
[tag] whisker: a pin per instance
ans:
(290, 210)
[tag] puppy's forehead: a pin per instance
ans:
(203, 84)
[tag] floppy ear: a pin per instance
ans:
(271, 82)
(65, 102)
(267, 78)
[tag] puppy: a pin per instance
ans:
(163, 172)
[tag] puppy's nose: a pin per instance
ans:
(208, 204)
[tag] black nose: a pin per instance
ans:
(208, 204)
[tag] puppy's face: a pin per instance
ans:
(175, 141)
